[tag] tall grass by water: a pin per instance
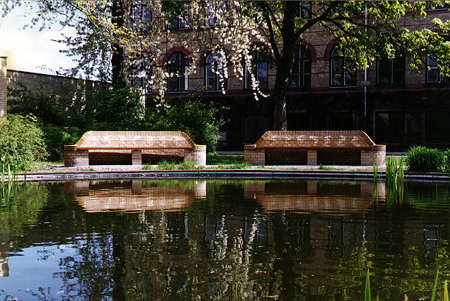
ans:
(395, 179)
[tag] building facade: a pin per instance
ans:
(401, 107)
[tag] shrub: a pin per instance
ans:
(58, 136)
(446, 166)
(21, 142)
(421, 158)
(197, 118)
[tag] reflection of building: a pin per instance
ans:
(313, 196)
(133, 196)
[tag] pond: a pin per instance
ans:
(221, 240)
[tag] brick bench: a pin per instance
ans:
(314, 148)
(132, 147)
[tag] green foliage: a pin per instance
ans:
(168, 165)
(197, 118)
(367, 295)
(421, 158)
(395, 187)
(65, 118)
(215, 159)
(446, 165)
(21, 142)
(435, 285)
(58, 136)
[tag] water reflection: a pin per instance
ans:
(314, 196)
(133, 196)
(223, 240)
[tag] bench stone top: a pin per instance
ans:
(135, 140)
(315, 140)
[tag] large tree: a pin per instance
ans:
(231, 28)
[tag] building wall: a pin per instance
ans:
(3, 87)
(400, 116)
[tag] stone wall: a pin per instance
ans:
(3, 87)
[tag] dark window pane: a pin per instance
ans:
(438, 126)
(177, 66)
(301, 70)
(389, 127)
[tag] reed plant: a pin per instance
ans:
(375, 171)
(395, 178)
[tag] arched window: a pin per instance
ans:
(215, 72)
(177, 66)
(301, 69)
(434, 75)
(342, 69)
(391, 72)
(259, 68)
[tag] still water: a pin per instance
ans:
(221, 240)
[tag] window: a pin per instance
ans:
(177, 23)
(437, 126)
(443, 6)
(141, 16)
(215, 72)
(215, 11)
(304, 10)
(343, 70)
(434, 75)
(391, 72)
(301, 69)
(389, 127)
(141, 73)
(260, 70)
(177, 66)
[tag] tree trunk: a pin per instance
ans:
(117, 60)
(284, 65)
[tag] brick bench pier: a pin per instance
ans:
(314, 148)
(132, 147)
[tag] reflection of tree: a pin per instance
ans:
(20, 207)
(226, 247)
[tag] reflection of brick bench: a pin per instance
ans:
(125, 148)
(315, 147)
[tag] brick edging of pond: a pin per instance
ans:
(223, 174)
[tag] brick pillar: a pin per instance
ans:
(311, 187)
(377, 155)
(136, 186)
(197, 155)
(74, 157)
(312, 157)
(254, 156)
(3, 86)
(136, 157)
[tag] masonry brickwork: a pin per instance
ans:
(111, 147)
(3, 87)
(321, 147)
(398, 115)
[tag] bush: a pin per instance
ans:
(421, 158)
(197, 118)
(58, 136)
(21, 142)
(446, 167)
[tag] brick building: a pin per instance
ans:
(401, 108)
